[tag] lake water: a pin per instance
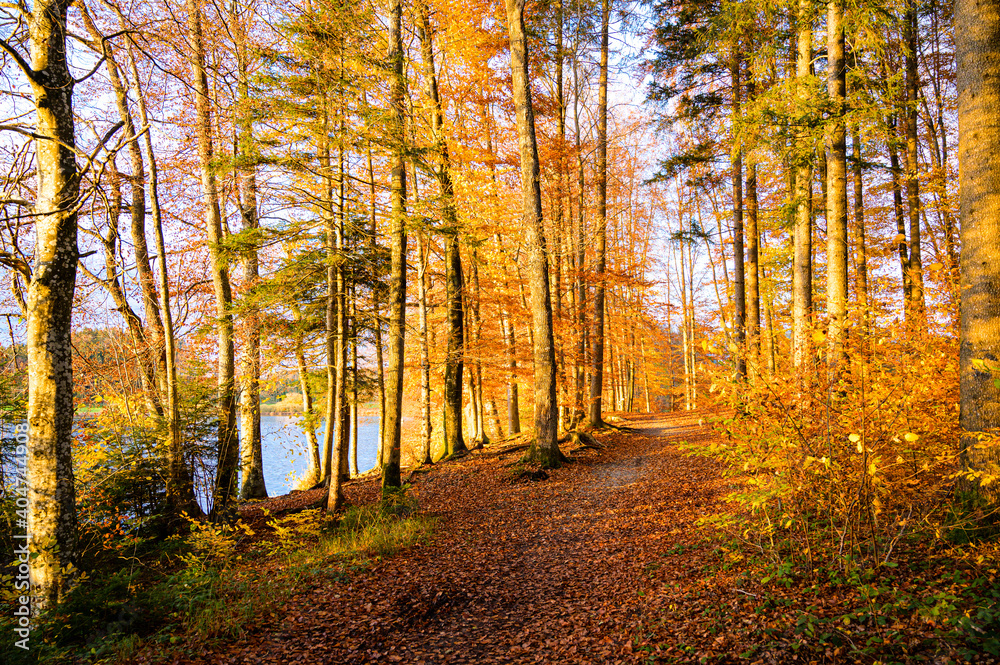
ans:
(286, 456)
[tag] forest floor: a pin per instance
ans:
(602, 562)
(564, 570)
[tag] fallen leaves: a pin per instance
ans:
(605, 561)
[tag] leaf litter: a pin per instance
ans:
(605, 561)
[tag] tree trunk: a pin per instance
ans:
(860, 248)
(314, 474)
(977, 39)
(739, 269)
(454, 440)
(544, 448)
(836, 198)
(513, 401)
(343, 409)
(353, 423)
(595, 408)
(581, 285)
(802, 259)
(52, 521)
(426, 425)
(376, 312)
(225, 478)
(180, 488)
(397, 277)
(752, 270)
(476, 380)
(898, 215)
(150, 343)
(251, 456)
(918, 313)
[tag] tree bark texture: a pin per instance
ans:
(454, 440)
(836, 197)
(739, 268)
(977, 37)
(52, 521)
(918, 314)
(544, 448)
(802, 230)
(397, 276)
(228, 446)
(596, 406)
(251, 456)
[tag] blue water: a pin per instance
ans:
(286, 455)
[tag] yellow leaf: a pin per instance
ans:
(818, 336)
(911, 437)
(860, 447)
(854, 438)
(936, 266)
(899, 239)
(704, 345)
(872, 469)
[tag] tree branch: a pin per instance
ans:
(21, 62)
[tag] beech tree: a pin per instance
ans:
(544, 448)
(397, 274)
(595, 416)
(52, 518)
(977, 38)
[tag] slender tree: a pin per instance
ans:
(224, 491)
(251, 456)
(454, 441)
(595, 413)
(397, 275)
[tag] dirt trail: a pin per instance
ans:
(556, 571)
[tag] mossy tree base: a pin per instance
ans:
(545, 458)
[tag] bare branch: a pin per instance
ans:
(21, 62)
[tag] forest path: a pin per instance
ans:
(566, 570)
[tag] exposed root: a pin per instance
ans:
(582, 440)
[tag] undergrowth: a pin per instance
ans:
(214, 582)
(846, 515)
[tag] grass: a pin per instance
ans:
(213, 584)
